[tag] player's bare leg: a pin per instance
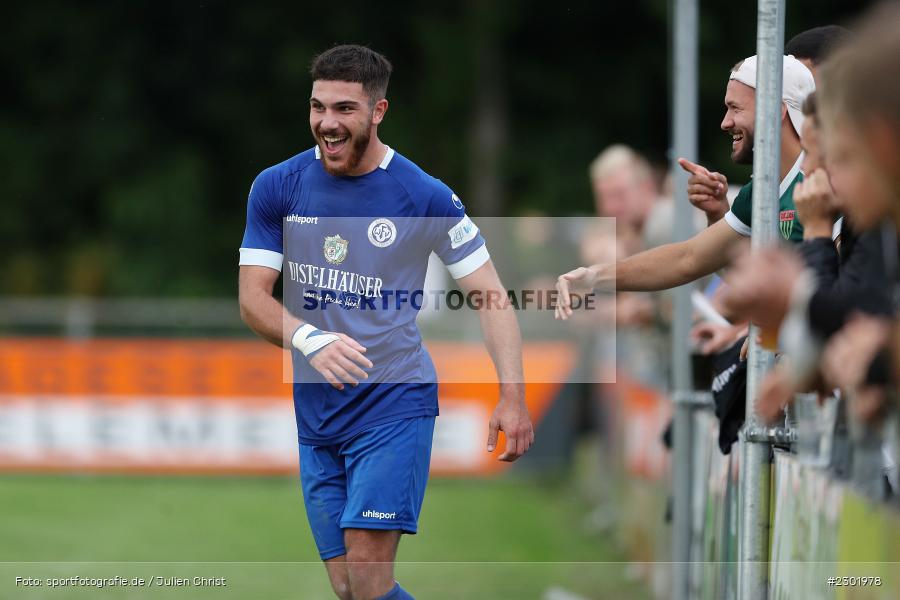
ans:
(370, 561)
(340, 578)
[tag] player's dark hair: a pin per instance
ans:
(354, 63)
(815, 44)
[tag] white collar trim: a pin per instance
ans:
(384, 162)
(792, 174)
(387, 157)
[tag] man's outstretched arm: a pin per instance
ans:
(336, 356)
(671, 265)
(656, 269)
(504, 343)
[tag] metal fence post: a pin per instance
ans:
(684, 134)
(753, 531)
(682, 484)
(685, 407)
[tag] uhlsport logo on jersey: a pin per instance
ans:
(301, 220)
(374, 514)
(786, 223)
(456, 201)
(382, 232)
(335, 249)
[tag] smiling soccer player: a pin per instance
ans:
(354, 219)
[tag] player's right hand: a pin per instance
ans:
(706, 190)
(581, 280)
(342, 362)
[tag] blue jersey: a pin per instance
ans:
(355, 251)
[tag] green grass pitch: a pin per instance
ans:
(503, 538)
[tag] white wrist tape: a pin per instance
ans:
(309, 340)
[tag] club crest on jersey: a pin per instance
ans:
(335, 249)
(786, 223)
(382, 232)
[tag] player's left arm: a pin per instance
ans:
(504, 343)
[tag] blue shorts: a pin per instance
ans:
(375, 480)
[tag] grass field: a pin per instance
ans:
(508, 538)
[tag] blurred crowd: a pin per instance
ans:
(825, 297)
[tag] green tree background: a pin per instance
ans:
(130, 132)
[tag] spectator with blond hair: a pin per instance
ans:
(623, 187)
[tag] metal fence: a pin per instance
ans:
(832, 524)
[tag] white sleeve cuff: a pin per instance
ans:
(737, 224)
(469, 264)
(261, 258)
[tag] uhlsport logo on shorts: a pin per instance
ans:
(374, 514)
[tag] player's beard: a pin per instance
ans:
(358, 144)
(744, 156)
